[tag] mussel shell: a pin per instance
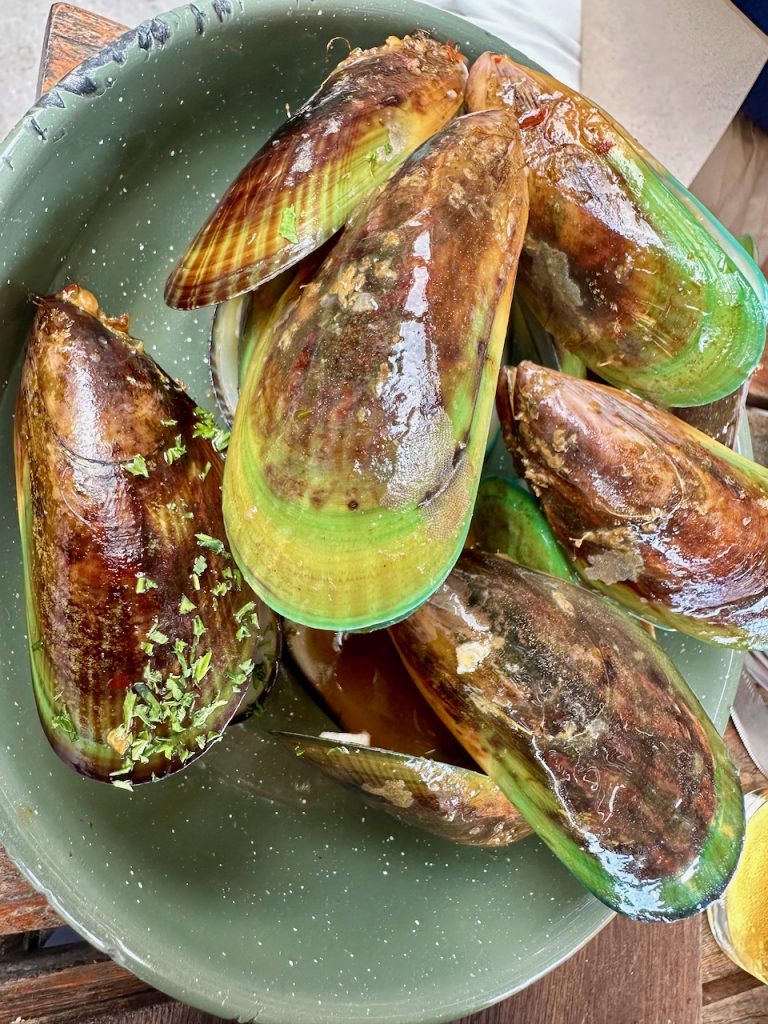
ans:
(588, 728)
(115, 489)
(360, 434)
(650, 510)
(620, 263)
(360, 681)
(507, 520)
(373, 110)
(239, 323)
(454, 803)
(225, 349)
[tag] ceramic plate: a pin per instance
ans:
(246, 885)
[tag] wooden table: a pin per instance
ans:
(629, 974)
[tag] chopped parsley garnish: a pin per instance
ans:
(247, 609)
(200, 565)
(137, 466)
(217, 546)
(205, 471)
(287, 228)
(123, 784)
(144, 583)
(155, 635)
(185, 605)
(200, 666)
(175, 452)
(63, 720)
(207, 427)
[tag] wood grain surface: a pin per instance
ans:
(629, 974)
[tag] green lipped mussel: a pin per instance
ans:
(360, 681)
(653, 512)
(588, 728)
(412, 766)
(507, 520)
(446, 800)
(372, 111)
(360, 432)
(619, 262)
(143, 637)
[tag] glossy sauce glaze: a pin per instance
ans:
(657, 514)
(361, 429)
(373, 110)
(587, 727)
(613, 264)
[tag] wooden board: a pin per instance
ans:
(629, 974)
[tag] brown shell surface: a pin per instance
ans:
(109, 553)
(614, 264)
(361, 428)
(648, 508)
(373, 110)
(585, 725)
(361, 681)
(457, 804)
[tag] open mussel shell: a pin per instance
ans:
(374, 109)
(653, 512)
(227, 330)
(622, 265)
(239, 323)
(359, 438)
(507, 520)
(144, 639)
(454, 803)
(588, 728)
(360, 681)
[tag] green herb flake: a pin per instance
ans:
(169, 423)
(220, 589)
(148, 648)
(136, 466)
(129, 703)
(207, 427)
(156, 635)
(185, 605)
(63, 720)
(206, 541)
(200, 565)
(195, 581)
(242, 633)
(144, 583)
(287, 227)
(175, 452)
(200, 666)
(197, 627)
(206, 470)
(245, 610)
(123, 784)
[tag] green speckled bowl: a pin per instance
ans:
(247, 885)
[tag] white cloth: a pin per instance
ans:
(547, 31)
